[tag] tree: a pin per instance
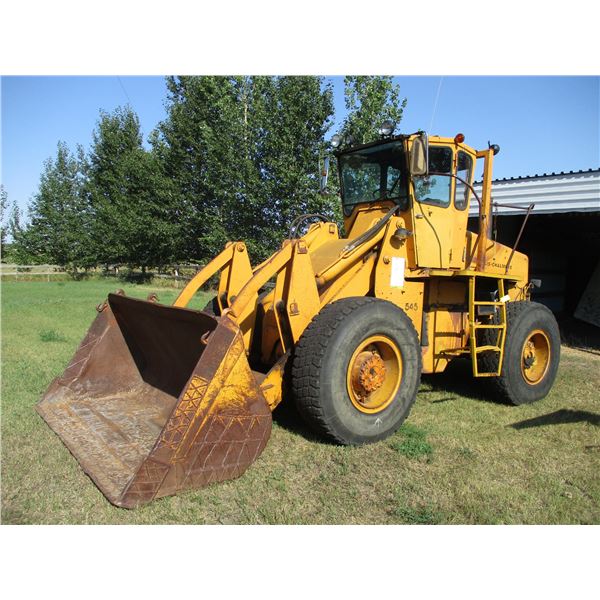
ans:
(14, 228)
(370, 101)
(57, 231)
(243, 154)
(133, 219)
(191, 146)
(297, 114)
(3, 226)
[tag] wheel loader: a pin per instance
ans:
(159, 399)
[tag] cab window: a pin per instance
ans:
(371, 174)
(464, 168)
(436, 187)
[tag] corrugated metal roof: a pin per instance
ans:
(573, 191)
(538, 175)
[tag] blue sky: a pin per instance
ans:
(542, 124)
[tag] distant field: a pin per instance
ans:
(460, 458)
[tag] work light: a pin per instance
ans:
(387, 127)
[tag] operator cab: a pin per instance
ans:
(423, 175)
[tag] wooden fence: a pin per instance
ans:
(177, 273)
(17, 271)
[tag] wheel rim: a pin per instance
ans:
(535, 357)
(374, 374)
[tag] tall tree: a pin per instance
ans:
(243, 153)
(3, 218)
(134, 220)
(57, 231)
(370, 100)
(193, 147)
(298, 114)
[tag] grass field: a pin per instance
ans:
(459, 458)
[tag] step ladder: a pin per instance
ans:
(474, 326)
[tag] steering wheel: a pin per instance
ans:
(393, 185)
(295, 226)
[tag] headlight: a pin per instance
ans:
(387, 127)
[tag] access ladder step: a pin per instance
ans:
(488, 303)
(455, 351)
(488, 348)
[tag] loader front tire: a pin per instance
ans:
(356, 370)
(531, 354)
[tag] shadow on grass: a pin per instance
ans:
(136, 277)
(559, 417)
(458, 381)
(287, 417)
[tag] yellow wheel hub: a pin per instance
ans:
(535, 357)
(374, 374)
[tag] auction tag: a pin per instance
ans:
(397, 274)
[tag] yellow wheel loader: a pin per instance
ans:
(160, 398)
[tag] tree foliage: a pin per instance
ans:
(370, 100)
(3, 218)
(12, 225)
(57, 230)
(236, 158)
(133, 217)
(243, 153)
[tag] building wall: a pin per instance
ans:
(562, 234)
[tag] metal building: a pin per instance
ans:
(561, 236)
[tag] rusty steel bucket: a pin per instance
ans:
(156, 400)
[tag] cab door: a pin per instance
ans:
(432, 212)
(464, 162)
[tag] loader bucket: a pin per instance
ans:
(158, 399)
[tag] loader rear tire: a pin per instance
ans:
(531, 354)
(356, 370)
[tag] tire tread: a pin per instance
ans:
(501, 385)
(309, 355)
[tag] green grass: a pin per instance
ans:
(459, 458)
(412, 443)
(49, 335)
(416, 516)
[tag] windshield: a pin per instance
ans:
(372, 174)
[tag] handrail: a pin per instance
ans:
(514, 248)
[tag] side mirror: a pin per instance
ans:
(419, 155)
(324, 174)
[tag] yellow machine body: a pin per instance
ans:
(428, 274)
(212, 419)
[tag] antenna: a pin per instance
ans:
(437, 96)
(125, 92)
